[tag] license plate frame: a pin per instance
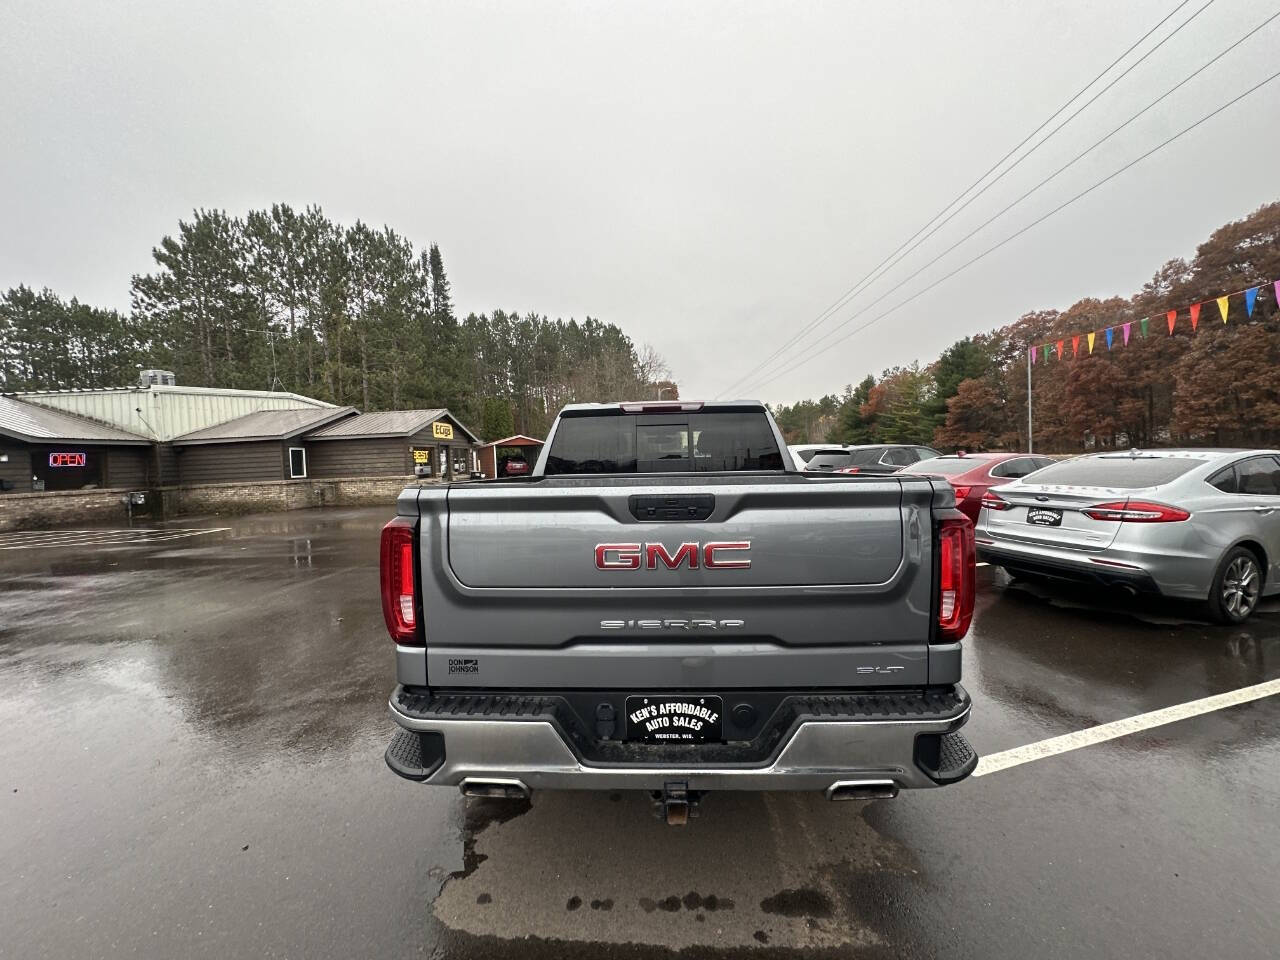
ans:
(675, 718)
(1044, 516)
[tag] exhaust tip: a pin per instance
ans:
(495, 787)
(862, 790)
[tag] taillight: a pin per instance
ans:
(962, 492)
(399, 596)
(848, 470)
(957, 578)
(1136, 511)
(991, 501)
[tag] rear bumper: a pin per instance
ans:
(828, 740)
(1079, 570)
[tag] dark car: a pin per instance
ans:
(884, 458)
(973, 474)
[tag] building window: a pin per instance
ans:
(297, 463)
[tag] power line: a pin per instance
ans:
(1097, 143)
(992, 249)
(1060, 170)
(942, 223)
(852, 291)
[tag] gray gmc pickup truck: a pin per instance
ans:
(665, 603)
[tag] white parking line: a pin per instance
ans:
(34, 539)
(1119, 728)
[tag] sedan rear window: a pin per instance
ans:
(866, 457)
(944, 466)
(824, 460)
(1125, 473)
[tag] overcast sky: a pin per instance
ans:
(708, 176)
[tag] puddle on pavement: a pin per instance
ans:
(786, 871)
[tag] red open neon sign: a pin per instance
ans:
(66, 459)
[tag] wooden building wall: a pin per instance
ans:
(17, 470)
(365, 457)
(129, 466)
(233, 462)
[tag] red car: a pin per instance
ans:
(973, 474)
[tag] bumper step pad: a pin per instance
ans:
(415, 756)
(946, 758)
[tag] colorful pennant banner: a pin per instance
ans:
(1171, 320)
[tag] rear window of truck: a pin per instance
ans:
(1121, 473)
(674, 443)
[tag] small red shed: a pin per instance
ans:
(492, 454)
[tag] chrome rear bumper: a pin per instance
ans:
(816, 755)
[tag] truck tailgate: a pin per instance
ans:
(578, 582)
(801, 534)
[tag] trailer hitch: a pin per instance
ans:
(676, 803)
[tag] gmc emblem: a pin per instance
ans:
(630, 556)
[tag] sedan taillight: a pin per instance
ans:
(991, 501)
(957, 577)
(962, 492)
(396, 573)
(848, 470)
(1136, 511)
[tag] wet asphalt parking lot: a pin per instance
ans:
(191, 765)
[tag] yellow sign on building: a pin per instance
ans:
(421, 456)
(442, 431)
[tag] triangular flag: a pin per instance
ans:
(1109, 338)
(1278, 293)
(1091, 341)
(1075, 345)
(1195, 314)
(1172, 317)
(1143, 322)
(1032, 351)
(1250, 296)
(1059, 349)
(1223, 306)
(1045, 355)
(1125, 328)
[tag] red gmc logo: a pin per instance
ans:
(713, 556)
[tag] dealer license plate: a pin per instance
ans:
(1044, 516)
(675, 719)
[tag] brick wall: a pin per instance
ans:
(282, 495)
(28, 511)
(63, 508)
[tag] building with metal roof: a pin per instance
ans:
(161, 434)
(162, 412)
(267, 425)
(44, 449)
(392, 423)
(29, 421)
(429, 443)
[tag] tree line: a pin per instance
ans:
(290, 300)
(1216, 386)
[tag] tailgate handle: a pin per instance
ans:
(687, 508)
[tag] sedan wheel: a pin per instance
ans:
(1236, 588)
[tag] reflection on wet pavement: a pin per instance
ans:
(192, 766)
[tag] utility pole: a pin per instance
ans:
(1030, 446)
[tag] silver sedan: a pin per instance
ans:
(1193, 524)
